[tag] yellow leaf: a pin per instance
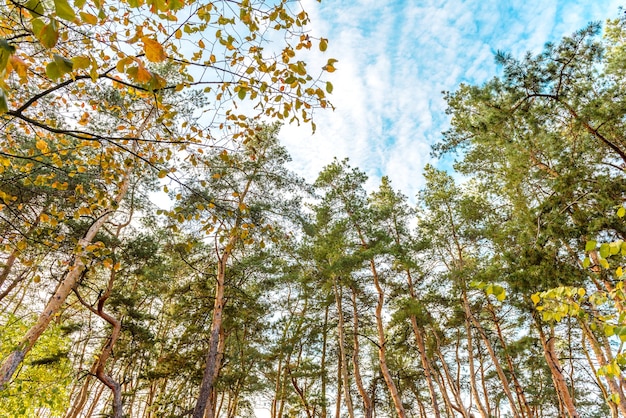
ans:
(535, 298)
(84, 119)
(42, 145)
(153, 49)
(89, 18)
(19, 66)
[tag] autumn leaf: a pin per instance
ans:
(48, 34)
(89, 18)
(19, 66)
(153, 49)
(323, 44)
(84, 119)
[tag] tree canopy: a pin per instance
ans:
(497, 294)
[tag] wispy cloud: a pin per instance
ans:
(395, 59)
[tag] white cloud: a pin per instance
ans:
(396, 57)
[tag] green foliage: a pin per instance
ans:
(42, 384)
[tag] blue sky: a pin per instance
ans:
(395, 59)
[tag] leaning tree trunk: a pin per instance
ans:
(69, 282)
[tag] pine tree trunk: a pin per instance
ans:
(342, 350)
(470, 360)
(555, 369)
(419, 339)
(206, 387)
(494, 358)
(367, 401)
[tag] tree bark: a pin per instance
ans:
(342, 349)
(418, 332)
(367, 401)
(555, 369)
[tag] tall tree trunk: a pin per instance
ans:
(342, 349)
(555, 369)
(494, 358)
(602, 361)
(107, 350)
(382, 349)
(472, 371)
(206, 387)
(323, 412)
(521, 397)
(367, 401)
(418, 332)
(453, 386)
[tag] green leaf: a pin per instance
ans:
(586, 262)
(604, 263)
(591, 245)
(323, 44)
(329, 87)
(35, 7)
(615, 247)
(6, 50)
(65, 66)
(52, 71)
(605, 250)
(4, 107)
(64, 10)
(242, 93)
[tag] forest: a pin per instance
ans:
(251, 293)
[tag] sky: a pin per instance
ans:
(395, 59)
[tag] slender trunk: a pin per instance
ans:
(107, 350)
(418, 332)
(382, 349)
(592, 367)
(367, 401)
(206, 387)
(342, 349)
(79, 404)
(454, 387)
(323, 412)
(95, 401)
(483, 382)
(494, 358)
(339, 386)
(600, 357)
(521, 397)
(472, 372)
(555, 369)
